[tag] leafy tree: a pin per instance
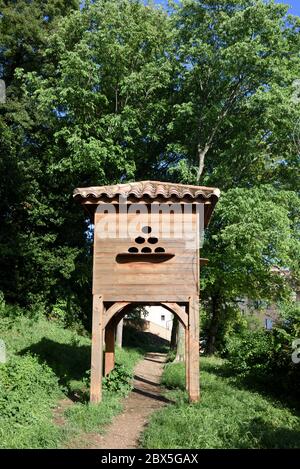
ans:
(95, 113)
(24, 28)
(117, 91)
(234, 120)
(253, 238)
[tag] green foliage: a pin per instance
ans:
(251, 350)
(119, 380)
(28, 389)
(90, 418)
(229, 416)
(47, 362)
(117, 90)
(267, 355)
(233, 119)
(254, 234)
(173, 377)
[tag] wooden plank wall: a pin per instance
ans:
(175, 279)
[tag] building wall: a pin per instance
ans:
(159, 315)
(118, 275)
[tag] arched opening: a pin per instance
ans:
(107, 315)
(116, 312)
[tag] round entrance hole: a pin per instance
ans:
(152, 240)
(146, 229)
(133, 249)
(139, 240)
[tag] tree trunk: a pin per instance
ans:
(119, 334)
(214, 325)
(180, 355)
(201, 158)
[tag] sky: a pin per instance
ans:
(294, 5)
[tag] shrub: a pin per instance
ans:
(268, 354)
(250, 350)
(119, 380)
(27, 390)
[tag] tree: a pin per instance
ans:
(233, 120)
(254, 230)
(24, 29)
(100, 111)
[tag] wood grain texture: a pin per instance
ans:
(97, 350)
(109, 349)
(193, 352)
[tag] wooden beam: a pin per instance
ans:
(203, 261)
(109, 349)
(187, 360)
(193, 366)
(115, 308)
(176, 309)
(97, 350)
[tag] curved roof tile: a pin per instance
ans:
(152, 189)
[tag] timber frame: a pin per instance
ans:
(146, 269)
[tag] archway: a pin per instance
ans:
(116, 311)
(147, 238)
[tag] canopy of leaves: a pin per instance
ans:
(118, 91)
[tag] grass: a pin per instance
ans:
(85, 418)
(228, 416)
(47, 363)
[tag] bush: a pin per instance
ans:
(250, 350)
(27, 391)
(119, 380)
(268, 354)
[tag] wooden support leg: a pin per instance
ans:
(194, 385)
(187, 359)
(109, 348)
(97, 350)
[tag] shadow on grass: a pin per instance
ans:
(268, 386)
(221, 369)
(268, 437)
(156, 397)
(69, 362)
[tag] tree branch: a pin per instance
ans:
(202, 150)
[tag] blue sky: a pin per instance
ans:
(294, 5)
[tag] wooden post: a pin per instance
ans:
(97, 350)
(187, 359)
(119, 334)
(109, 348)
(194, 385)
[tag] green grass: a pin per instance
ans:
(84, 417)
(46, 363)
(228, 416)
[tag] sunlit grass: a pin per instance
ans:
(228, 416)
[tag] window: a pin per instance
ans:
(163, 317)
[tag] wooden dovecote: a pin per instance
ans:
(146, 251)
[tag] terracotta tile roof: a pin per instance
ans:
(152, 189)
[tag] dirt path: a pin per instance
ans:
(125, 430)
